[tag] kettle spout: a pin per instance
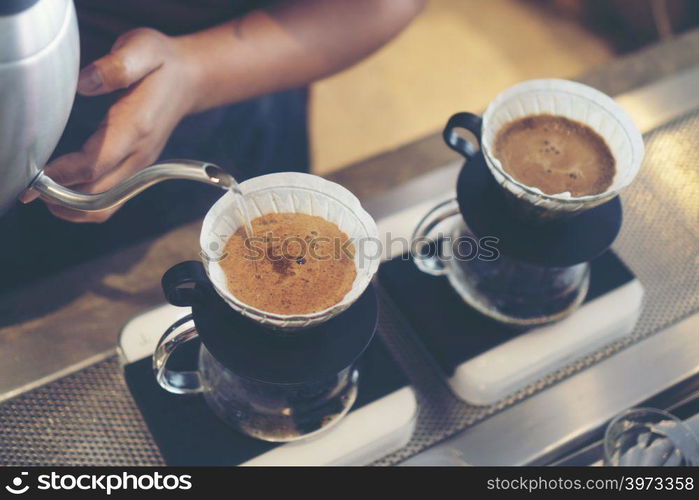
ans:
(192, 170)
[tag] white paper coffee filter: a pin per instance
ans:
(283, 193)
(577, 102)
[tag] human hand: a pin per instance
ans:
(160, 89)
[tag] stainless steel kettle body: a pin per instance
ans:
(39, 64)
(39, 59)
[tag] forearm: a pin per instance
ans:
(289, 44)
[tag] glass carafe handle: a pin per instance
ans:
(176, 382)
(431, 263)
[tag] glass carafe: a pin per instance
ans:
(506, 289)
(271, 411)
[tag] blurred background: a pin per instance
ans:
(413, 85)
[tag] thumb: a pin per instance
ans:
(134, 55)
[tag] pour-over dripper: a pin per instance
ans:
(574, 101)
(296, 193)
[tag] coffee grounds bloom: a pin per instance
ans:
(293, 263)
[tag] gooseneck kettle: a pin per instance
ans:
(39, 65)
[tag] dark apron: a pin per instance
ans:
(251, 138)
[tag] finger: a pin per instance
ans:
(130, 166)
(71, 169)
(126, 169)
(106, 149)
(66, 170)
(134, 55)
(29, 195)
(81, 217)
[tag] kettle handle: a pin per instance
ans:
(192, 170)
(176, 382)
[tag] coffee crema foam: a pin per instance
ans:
(294, 264)
(555, 155)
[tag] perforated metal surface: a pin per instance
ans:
(89, 418)
(660, 236)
